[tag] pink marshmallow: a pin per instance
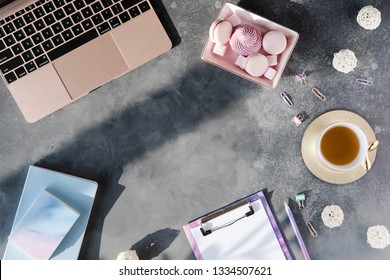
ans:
(270, 73)
(219, 49)
(272, 60)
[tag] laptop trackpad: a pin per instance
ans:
(90, 66)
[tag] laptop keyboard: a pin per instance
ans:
(49, 29)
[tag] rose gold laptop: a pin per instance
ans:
(53, 52)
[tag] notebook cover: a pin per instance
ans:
(44, 226)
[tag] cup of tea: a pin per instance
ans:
(342, 146)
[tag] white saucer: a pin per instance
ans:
(310, 138)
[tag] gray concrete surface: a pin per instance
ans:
(178, 137)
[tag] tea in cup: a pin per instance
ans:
(342, 146)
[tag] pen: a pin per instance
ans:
(296, 231)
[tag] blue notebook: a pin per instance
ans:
(44, 226)
(78, 193)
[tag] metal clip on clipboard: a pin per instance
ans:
(224, 211)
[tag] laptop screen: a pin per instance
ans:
(5, 2)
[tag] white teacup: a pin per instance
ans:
(342, 146)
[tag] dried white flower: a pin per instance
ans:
(128, 255)
(378, 237)
(332, 216)
(344, 61)
(369, 17)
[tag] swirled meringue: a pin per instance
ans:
(246, 40)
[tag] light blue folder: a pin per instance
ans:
(76, 192)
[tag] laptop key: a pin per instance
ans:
(20, 12)
(9, 18)
(59, 3)
(59, 14)
(42, 60)
(69, 9)
(129, 3)
(97, 7)
(9, 40)
(97, 19)
(107, 14)
(29, 29)
(87, 24)
(9, 28)
(37, 38)
(11, 64)
(2, 34)
(87, 12)
(77, 30)
(57, 40)
(27, 43)
(19, 22)
(11, 77)
(19, 35)
(103, 28)
(73, 44)
(30, 7)
(27, 56)
(116, 9)
(114, 22)
(134, 12)
(30, 66)
(37, 51)
(49, 7)
(29, 17)
(2, 45)
(17, 49)
(124, 17)
(40, 2)
(47, 45)
(39, 12)
(79, 4)
(57, 28)
(47, 33)
(77, 17)
(39, 24)
(67, 34)
(106, 3)
(5, 55)
(144, 6)
(49, 19)
(20, 72)
(66, 23)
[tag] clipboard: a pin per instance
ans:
(243, 230)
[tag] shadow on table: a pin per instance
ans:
(155, 243)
